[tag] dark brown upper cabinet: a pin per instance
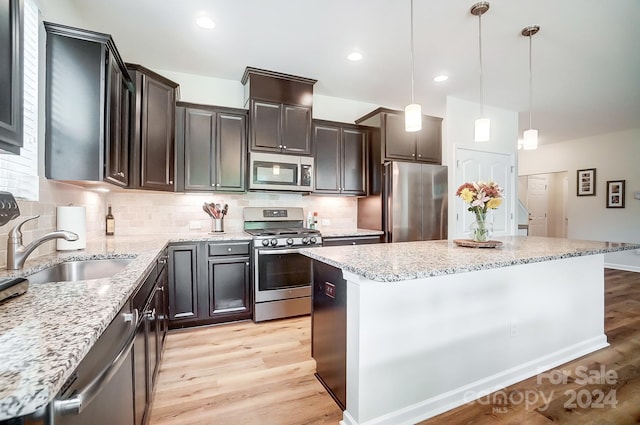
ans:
(153, 130)
(340, 158)
(11, 79)
(88, 94)
(280, 110)
(211, 148)
(397, 144)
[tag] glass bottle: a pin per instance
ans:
(110, 222)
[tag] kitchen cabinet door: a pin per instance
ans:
(282, 128)
(161, 319)
(429, 140)
(296, 129)
(353, 165)
(399, 144)
(229, 289)
(87, 130)
(231, 151)
(199, 149)
(11, 79)
(117, 156)
(266, 128)
(340, 158)
(327, 158)
(214, 142)
(153, 135)
(183, 283)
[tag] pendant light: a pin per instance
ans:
(482, 124)
(530, 136)
(413, 112)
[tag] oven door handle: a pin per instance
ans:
(278, 251)
(75, 405)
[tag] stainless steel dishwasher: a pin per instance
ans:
(100, 391)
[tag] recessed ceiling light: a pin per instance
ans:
(355, 56)
(440, 78)
(205, 22)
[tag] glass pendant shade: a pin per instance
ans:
(482, 130)
(413, 117)
(530, 141)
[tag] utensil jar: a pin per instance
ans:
(217, 225)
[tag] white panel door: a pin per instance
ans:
(537, 202)
(473, 165)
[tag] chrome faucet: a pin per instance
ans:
(18, 253)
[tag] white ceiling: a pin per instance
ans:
(586, 57)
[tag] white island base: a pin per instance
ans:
(417, 348)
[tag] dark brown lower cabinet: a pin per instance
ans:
(229, 289)
(329, 330)
(183, 283)
(209, 282)
(151, 304)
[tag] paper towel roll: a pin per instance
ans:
(72, 219)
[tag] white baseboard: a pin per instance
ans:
(460, 396)
(624, 267)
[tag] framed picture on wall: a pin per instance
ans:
(586, 182)
(615, 194)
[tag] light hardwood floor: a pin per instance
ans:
(262, 374)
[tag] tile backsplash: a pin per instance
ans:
(140, 212)
(52, 195)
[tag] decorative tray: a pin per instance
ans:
(473, 244)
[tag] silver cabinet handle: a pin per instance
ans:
(75, 405)
(170, 181)
(280, 146)
(284, 147)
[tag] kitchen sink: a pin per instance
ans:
(79, 270)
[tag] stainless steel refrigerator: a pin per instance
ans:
(412, 204)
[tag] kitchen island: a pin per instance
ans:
(431, 326)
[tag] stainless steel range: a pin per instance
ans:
(282, 276)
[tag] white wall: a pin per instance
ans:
(60, 12)
(458, 131)
(615, 157)
(207, 90)
(230, 93)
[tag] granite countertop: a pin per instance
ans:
(414, 260)
(45, 333)
(330, 232)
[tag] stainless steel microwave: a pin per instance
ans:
(269, 171)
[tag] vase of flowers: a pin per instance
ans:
(481, 197)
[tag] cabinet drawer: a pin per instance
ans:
(362, 240)
(234, 248)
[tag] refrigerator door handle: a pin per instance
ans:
(387, 218)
